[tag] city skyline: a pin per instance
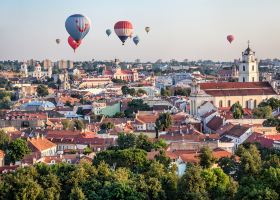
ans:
(179, 29)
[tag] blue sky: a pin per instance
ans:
(192, 29)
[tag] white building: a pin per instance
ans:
(248, 67)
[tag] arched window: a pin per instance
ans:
(228, 103)
(253, 67)
(255, 103)
(253, 79)
(221, 104)
(243, 67)
(243, 79)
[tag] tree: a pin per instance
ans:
(141, 92)
(119, 115)
(126, 141)
(163, 122)
(17, 149)
(132, 92)
(191, 185)
(182, 92)
(206, 158)
(262, 112)
(42, 91)
(134, 106)
(87, 150)
(4, 140)
(79, 124)
(77, 194)
(107, 126)
(5, 103)
(67, 124)
(228, 165)
(273, 103)
(272, 122)
(125, 90)
(250, 160)
(237, 111)
(165, 92)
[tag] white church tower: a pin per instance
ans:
(24, 70)
(248, 67)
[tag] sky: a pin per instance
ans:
(180, 29)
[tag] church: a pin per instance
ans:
(248, 91)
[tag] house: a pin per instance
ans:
(237, 134)
(42, 146)
(145, 121)
(214, 124)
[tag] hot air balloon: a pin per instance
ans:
(108, 32)
(77, 26)
(230, 38)
(147, 29)
(73, 43)
(123, 30)
(136, 40)
(57, 41)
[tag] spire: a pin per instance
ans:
(248, 44)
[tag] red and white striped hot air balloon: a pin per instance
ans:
(123, 30)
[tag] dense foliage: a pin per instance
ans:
(124, 172)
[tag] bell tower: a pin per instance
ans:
(248, 67)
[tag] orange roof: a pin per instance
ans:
(147, 118)
(41, 144)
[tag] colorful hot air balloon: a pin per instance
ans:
(57, 41)
(108, 32)
(136, 40)
(77, 26)
(230, 38)
(123, 30)
(147, 29)
(73, 43)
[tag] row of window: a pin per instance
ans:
(244, 68)
(229, 103)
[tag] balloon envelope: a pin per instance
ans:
(57, 41)
(108, 32)
(147, 29)
(230, 38)
(136, 40)
(77, 26)
(73, 43)
(123, 30)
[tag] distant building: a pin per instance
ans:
(63, 64)
(24, 70)
(47, 64)
(38, 106)
(42, 146)
(38, 73)
(129, 75)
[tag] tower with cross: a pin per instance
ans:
(248, 67)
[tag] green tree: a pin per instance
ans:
(237, 111)
(182, 92)
(206, 158)
(4, 140)
(126, 141)
(5, 103)
(132, 92)
(79, 124)
(77, 194)
(262, 112)
(273, 103)
(272, 122)
(42, 91)
(191, 185)
(67, 124)
(17, 149)
(141, 92)
(125, 90)
(87, 150)
(165, 92)
(163, 122)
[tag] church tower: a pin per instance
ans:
(248, 67)
(50, 72)
(24, 70)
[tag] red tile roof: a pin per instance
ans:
(41, 144)
(237, 88)
(215, 123)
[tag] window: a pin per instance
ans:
(243, 67)
(228, 103)
(253, 67)
(247, 104)
(243, 79)
(253, 79)
(221, 104)
(255, 103)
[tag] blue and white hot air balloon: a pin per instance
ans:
(77, 26)
(136, 40)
